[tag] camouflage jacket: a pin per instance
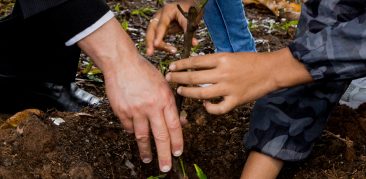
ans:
(331, 39)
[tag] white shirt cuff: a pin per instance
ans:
(104, 19)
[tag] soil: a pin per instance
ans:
(91, 143)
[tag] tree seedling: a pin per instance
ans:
(157, 177)
(193, 16)
(199, 172)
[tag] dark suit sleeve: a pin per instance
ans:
(32, 7)
(331, 39)
(67, 18)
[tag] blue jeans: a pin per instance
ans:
(228, 26)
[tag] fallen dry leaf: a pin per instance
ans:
(280, 8)
(18, 117)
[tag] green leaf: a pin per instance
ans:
(145, 11)
(199, 172)
(182, 167)
(124, 25)
(117, 8)
(157, 177)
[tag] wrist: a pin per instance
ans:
(109, 46)
(287, 71)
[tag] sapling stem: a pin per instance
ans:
(193, 17)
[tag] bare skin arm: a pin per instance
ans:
(139, 95)
(237, 77)
(260, 166)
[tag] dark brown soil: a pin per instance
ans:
(91, 144)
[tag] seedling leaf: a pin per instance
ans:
(199, 172)
(157, 177)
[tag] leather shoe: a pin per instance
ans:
(23, 95)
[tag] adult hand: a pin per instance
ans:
(138, 93)
(160, 23)
(237, 77)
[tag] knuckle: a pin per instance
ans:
(143, 138)
(161, 136)
(123, 112)
(174, 125)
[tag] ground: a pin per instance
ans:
(91, 144)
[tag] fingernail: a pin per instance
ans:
(173, 50)
(168, 77)
(147, 160)
(177, 153)
(179, 90)
(148, 52)
(172, 66)
(165, 168)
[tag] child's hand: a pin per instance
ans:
(237, 77)
(159, 25)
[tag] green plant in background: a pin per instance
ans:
(199, 172)
(124, 25)
(117, 8)
(160, 2)
(92, 72)
(164, 66)
(157, 177)
(195, 48)
(286, 25)
(144, 12)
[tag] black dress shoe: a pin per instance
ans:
(19, 96)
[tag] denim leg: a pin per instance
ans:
(228, 26)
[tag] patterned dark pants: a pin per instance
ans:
(286, 123)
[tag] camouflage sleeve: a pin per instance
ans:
(331, 39)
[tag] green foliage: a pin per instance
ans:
(199, 172)
(157, 177)
(195, 48)
(117, 8)
(182, 167)
(144, 12)
(124, 25)
(286, 25)
(92, 72)
(160, 2)
(252, 25)
(164, 66)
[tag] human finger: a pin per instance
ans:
(193, 77)
(209, 92)
(174, 128)
(166, 47)
(126, 123)
(195, 42)
(162, 140)
(221, 108)
(166, 18)
(199, 62)
(142, 134)
(150, 35)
